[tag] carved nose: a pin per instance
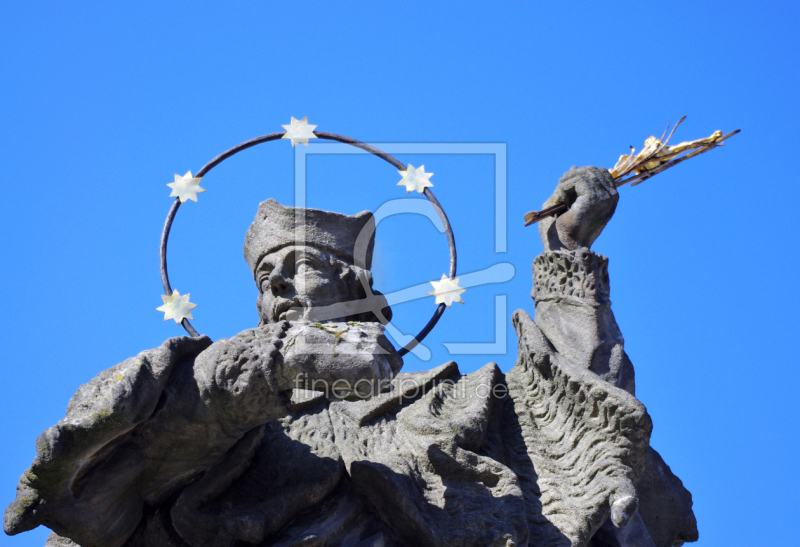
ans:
(278, 285)
(280, 278)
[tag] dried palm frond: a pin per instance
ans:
(654, 158)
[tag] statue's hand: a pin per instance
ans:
(236, 377)
(592, 198)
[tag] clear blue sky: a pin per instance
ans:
(101, 103)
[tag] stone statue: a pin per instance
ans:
(235, 443)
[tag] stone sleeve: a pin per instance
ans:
(573, 310)
(579, 276)
(236, 380)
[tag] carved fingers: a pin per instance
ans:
(592, 198)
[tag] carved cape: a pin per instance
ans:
(537, 456)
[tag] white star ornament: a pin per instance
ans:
(186, 187)
(299, 131)
(415, 179)
(176, 307)
(446, 291)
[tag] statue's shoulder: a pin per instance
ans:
(123, 395)
(103, 409)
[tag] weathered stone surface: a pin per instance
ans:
(54, 540)
(592, 198)
(423, 471)
(584, 439)
(571, 286)
(61, 490)
(303, 432)
(665, 505)
(573, 311)
(277, 226)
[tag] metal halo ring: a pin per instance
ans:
(451, 242)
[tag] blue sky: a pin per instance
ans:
(102, 103)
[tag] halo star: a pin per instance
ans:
(186, 187)
(446, 291)
(415, 179)
(299, 131)
(177, 307)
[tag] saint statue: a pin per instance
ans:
(304, 432)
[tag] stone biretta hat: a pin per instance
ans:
(276, 226)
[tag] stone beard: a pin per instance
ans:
(234, 443)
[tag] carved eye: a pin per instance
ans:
(264, 284)
(263, 278)
(304, 265)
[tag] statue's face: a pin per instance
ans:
(294, 279)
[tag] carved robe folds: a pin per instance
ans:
(555, 452)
